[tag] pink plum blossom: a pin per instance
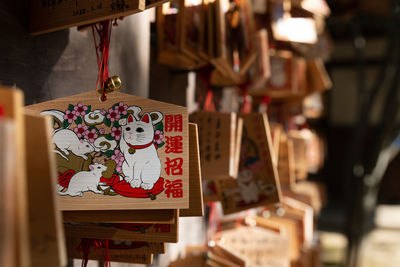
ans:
(158, 137)
(118, 157)
(121, 108)
(70, 116)
(116, 133)
(81, 130)
(113, 115)
(91, 135)
(80, 110)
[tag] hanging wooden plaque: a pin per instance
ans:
(261, 246)
(46, 236)
(291, 228)
(51, 15)
(146, 232)
(12, 102)
(227, 252)
(8, 166)
(217, 139)
(307, 214)
(318, 78)
(190, 260)
(300, 154)
(98, 143)
(115, 255)
(286, 162)
(121, 216)
(120, 247)
(155, 3)
(257, 183)
(261, 71)
(195, 191)
(234, 39)
(169, 35)
(288, 77)
(190, 30)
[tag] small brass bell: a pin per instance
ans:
(113, 83)
(132, 150)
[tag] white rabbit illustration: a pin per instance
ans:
(84, 181)
(66, 139)
(142, 167)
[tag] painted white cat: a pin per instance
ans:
(84, 181)
(142, 166)
(248, 189)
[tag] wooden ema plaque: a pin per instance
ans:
(262, 247)
(170, 29)
(257, 183)
(155, 3)
(8, 165)
(115, 255)
(125, 231)
(299, 154)
(217, 139)
(46, 235)
(290, 226)
(196, 207)
(12, 102)
(234, 40)
(121, 154)
(146, 232)
(198, 260)
(288, 77)
(115, 248)
(317, 75)
(286, 168)
(261, 69)
(51, 15)
(190, 30)
(120, 216)
(226, 252)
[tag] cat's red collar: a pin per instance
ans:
(140, 146)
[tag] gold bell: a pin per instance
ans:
(113, 83)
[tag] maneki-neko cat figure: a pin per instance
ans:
(117, 149)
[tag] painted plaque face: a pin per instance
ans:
(119, 149)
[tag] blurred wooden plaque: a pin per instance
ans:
(147, 232)
(45, 224)
(258, 182)
(217, 139)
(53, 15)
(115, 247)
(195, 190)
(12, 102)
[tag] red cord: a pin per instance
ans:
(246, 105)
(102, 52)
(87, 243)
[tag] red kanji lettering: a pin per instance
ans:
(174, 144)
(173, 123)
(174, 166)
(174, 188)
